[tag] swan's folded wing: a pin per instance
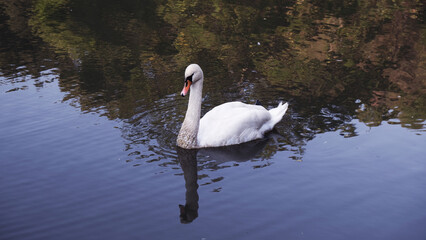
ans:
(232, 123)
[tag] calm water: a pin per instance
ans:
(90, 111)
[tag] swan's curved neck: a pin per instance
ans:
(187, 137)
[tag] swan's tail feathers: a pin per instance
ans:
(278, 113)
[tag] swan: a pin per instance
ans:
(227, 124)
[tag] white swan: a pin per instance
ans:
(227, 124)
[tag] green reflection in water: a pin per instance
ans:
(335, 61)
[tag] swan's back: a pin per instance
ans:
(235, 122)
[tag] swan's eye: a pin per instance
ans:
(189, 78)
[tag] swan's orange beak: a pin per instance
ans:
(185, 88)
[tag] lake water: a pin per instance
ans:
(90, 111)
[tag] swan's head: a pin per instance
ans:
(193, 73)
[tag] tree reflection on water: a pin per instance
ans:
(334, 62)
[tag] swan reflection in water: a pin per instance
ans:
(188, 162)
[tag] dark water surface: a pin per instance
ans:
(90, 110)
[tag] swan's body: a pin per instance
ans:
(227, 124)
